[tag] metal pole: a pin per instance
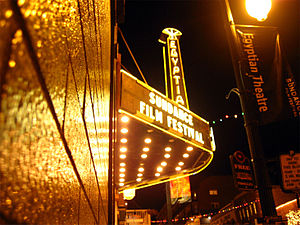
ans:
(169, 206)
(251, 125)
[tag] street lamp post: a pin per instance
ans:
(251, 122)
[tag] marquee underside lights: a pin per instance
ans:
(164, 141)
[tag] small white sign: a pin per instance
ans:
(290, 169)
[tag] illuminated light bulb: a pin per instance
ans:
(178, 168)
(140, 175)
(11, 63)
(121, 180)
(185, 155)
(163, 163)
(168, 149)
(124, 130)
(121, 184)
(181, 163)
(122, 169)
(123, 156)
(259, 9)
(226, 116)
(146, 149)
(144, 156)
(167, 155)
(124, 140)
(141, 169)
(139, 179)
(125, 119)
(123, 149)
(159, 169)
(221, 120)
(235, 116)
(122, 175)
(157, 174)
(190, 148)
(122, 164)
(148, 140)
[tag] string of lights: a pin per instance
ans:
(207, 215)
(228, 116)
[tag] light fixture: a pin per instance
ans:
(141, 169)
(144, 156)
(159, 169)
(178, 168)
(146, 149)
(125, 119)
(163, 163)
(168, 149)
(124, 130)
(139, 174)
(129, 194)
(122, 164)
(185, 155)
(181, 163)
(157, 174)
(167, 155)
(123, 156)
(259, 9)
(122, 175)
(124, 140)
(123, 149)
(190, 148)
(138, 179)
(121, 184)
(148, 140)
(121, 180)
(122, 169)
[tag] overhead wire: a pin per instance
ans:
(120, 31)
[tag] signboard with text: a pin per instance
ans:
(153, 108)
(242, 171)
(290, 169)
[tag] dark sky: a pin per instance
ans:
(208, 70)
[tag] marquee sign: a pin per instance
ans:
(150, 106)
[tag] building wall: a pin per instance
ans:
(54, 111)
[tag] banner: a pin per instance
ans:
(266, 75)
(180, 190)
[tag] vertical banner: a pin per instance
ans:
(266, 74)
(173, 66)
(180, 190)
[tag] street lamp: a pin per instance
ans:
(259, 9)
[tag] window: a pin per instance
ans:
(213, 192)
(215, 205)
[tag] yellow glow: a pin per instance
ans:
(124, 130)
(146, 149)
(185, 155)
(122, 164)
(163, 163)
(122, 175)
(125, 119)
(148, 140)
(144, 156)
(157, 174)
(129, 194)
(123, 149)
(139, 179)
(122, 169)
(159, 169)
(285, 204)
(258, 9)
(123, 156)
(167, 156)
(11, 63)
(189, 149)
(168, 149)
(181, 163)
(121, 180)
(123, 140)
(121, 184)
(140, 175)
(141, 169)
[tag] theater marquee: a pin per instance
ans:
(150, 106)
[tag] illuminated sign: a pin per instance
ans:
(150, 106)
(173, 63)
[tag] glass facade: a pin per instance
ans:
(54, 111)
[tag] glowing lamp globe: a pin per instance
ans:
(258, 9)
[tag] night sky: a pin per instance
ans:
(208, 73)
